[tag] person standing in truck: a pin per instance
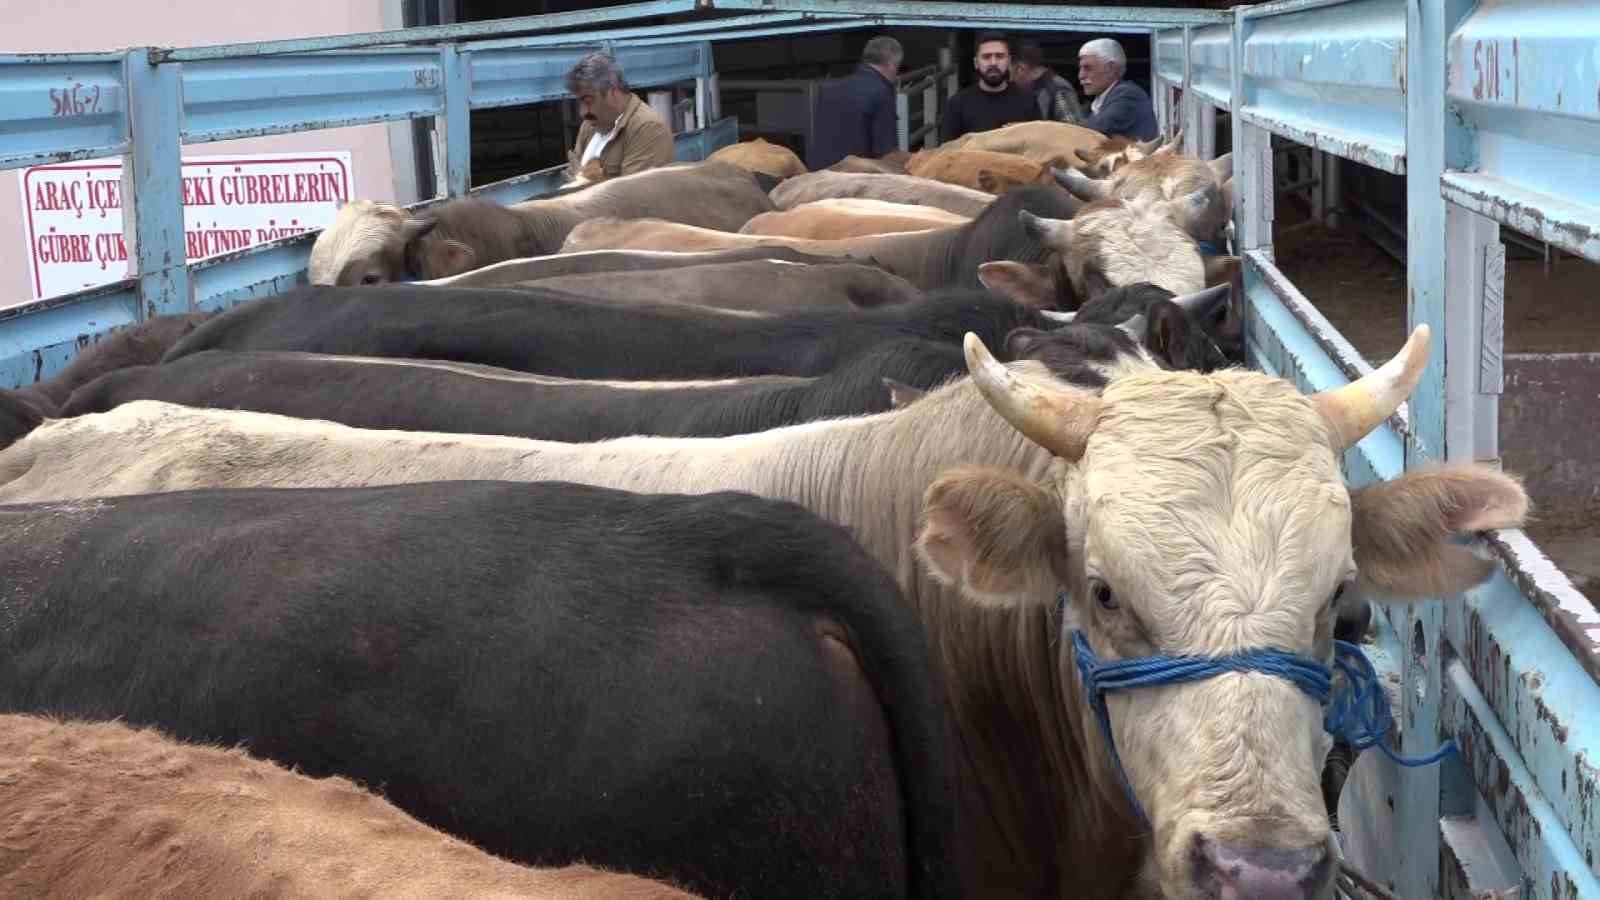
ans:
(993, 101)
(619, 129)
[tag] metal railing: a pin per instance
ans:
(1490, 111)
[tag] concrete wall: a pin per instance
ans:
(88, 26)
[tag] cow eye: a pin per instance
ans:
(1338, 594)
(371, 278)
(1101, 592)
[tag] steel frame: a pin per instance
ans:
(1489, 109)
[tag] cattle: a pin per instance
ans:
(764, 285)
(550, 333)
(1179, 513)
(983, 170)
(1166, 174)
(660, 235)
(719, 690)
(374, 243)
(99, 809)
(139, 344)
(19, 414)
(1114, 243)
(533, 268)
(1115, 152)
(849, 217)
(928, 259)
(827, 185)
(775, 160)
(891, 163)
(422, 395)
(1039, 141)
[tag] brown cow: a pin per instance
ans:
(826, 185)
(374, 243)
(1040, 141)
(1180, 513)
(99, 809)
(984, 170)
(775, 160)
(849, 217)
(1113, 153)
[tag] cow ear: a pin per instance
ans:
(1167, 332)
(1027, 284)
(1414, 535)
(444, 258)
(901, 394)
(993, 535)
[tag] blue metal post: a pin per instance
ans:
(1252, 157)
(456, 69)
(152, 186)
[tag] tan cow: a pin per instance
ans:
(1182, 513)
(849, 217)
(1164, 173)
(984, 170)
(1120, 243)
(374, 243)
(826, 185)
(99, 809)
(1040, 142)
(775, 160)
(891, 163)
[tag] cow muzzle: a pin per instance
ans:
(1236, 872)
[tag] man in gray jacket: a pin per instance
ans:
(1055, 96)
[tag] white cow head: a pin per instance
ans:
(1205, 514)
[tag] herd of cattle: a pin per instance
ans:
(721, 530)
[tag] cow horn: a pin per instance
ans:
(1061, 318)
(1079, 185)
(1360, 406)
(1201, 304)
(1056, 418)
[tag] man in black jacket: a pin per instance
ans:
(1055, 96)
(856, 115)
(992, 102)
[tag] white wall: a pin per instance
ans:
(91, 26)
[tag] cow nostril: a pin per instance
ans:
(1261, 873)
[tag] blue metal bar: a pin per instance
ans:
(1329, 77)
(40, 339)
(56, 108)
(1211, 64)
(233, 98)
(1525, 78)
(153, 202)
(432, 34)
(509, 76)
(697, 145)
(1553, 866)
(704, 29)
(850, 24)
(953, 13)
(457, 69)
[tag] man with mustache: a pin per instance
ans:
(1120, 107)
(619, 129)
(992, 102)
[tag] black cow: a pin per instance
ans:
(720, 690)
(20, 413)
(553, 333)
(463, 398)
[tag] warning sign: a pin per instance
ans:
(72, 212)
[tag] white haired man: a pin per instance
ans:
(1120, 107)
(619, 129)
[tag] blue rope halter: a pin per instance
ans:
(1208, 249)
(1359, 712)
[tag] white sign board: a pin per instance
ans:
(72, 212)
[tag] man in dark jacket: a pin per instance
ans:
(856, 115)
(1120, 107)
(1055, 96)
(992, 102)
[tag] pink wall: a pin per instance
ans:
(108, 25)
